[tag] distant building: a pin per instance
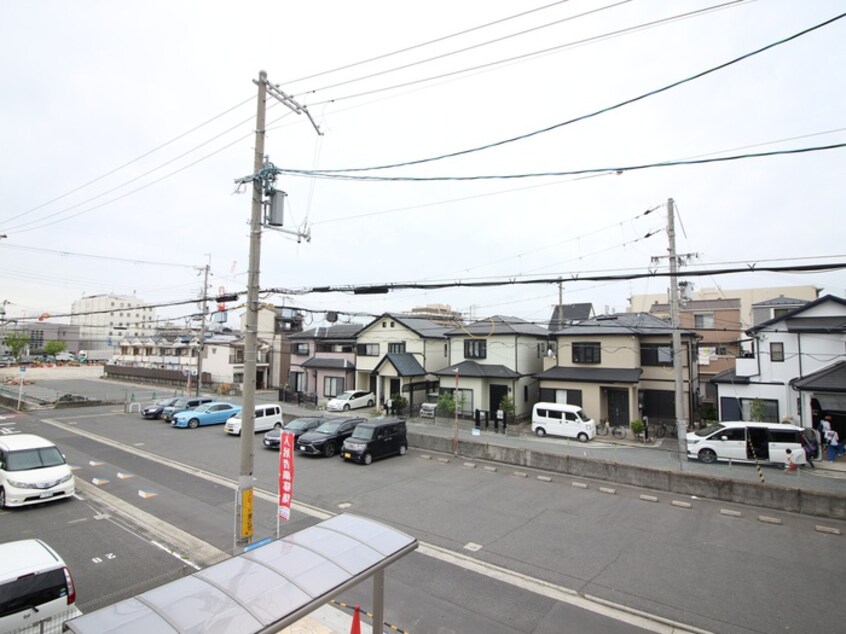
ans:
(440, 313)
(564, 315)
(40, 332)
(103, 320)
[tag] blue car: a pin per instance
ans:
(214, 413)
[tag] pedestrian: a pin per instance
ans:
(790, 465)
(825, 428)
(835, 448)
(808, 439)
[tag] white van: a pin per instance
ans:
(37, 593)
(742, 441)
(268, 416)
(561, 419)
(32, 470)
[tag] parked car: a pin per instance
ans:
(185, 402)
(155, 410)
(351, 399)
(65, 356)
(743, 441)
(327, 439)
(32, 470)
(376, 439)
(298, 427)
(266, 417)
(37, 593)
(214, 413)
(561, 419)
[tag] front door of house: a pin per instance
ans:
(618, 407)
(497, 393)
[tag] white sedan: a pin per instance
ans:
(351, 399)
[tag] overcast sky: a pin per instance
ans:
(125, 124)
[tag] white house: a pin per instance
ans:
(790, 354)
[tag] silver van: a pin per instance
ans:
(267, 417)
(37, 593)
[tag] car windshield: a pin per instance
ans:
(40, 458)
(363, 432)
(344, 396)
(203, 408)
(328, 428)
(710, 429)
(298, 424)
(181, 402)
(582, 416)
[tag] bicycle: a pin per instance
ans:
(602, 429)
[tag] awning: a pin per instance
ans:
(831, 402)
(264, 590)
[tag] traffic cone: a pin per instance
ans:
(356, 624)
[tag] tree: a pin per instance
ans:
(756, 411)
(400, 403)
(52, 348)
(506, 404)
(446, 403)
(16, 342)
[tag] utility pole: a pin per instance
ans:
(560, 305)
(259, 182)
(203, 329)
(681, 419)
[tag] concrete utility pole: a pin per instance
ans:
(248, 419)
(203, 329)
(259, 181)
(681, 419)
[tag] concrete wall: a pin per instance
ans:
(817, 503)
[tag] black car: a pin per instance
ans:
(376, 439)
(327, 439)
(298, 427)
(155, 410)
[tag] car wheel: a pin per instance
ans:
(329, 449)
(583, 437)
(278, 426)
(403, 450)
(347, 407)
(193, 423)
(370, 403)
(540, 432)
(367, 458)
(2, 498)
(708, 456)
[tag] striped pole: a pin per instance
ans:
(755, 457)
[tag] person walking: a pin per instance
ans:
(809, 445)
(835, 448)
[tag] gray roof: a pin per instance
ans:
(793, 314)
(591, 375)
(781, 300)
(830, 379)
(730, 377)
(426, 328)
(345, 332)
(328, 363)
(642, 324)
(570, 313)
(404, 363)
(479, 370)
(500, 325)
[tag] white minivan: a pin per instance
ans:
(561, 419)
(32, 470)
(37, 593)
(268, 416)
(742, 441)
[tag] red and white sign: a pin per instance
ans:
(286, 474)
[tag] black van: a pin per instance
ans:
(376, 439)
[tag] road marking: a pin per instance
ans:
(176, 555)
(208, 553)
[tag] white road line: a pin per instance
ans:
(644, 620)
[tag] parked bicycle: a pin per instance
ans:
(661, 430)
(602, 429)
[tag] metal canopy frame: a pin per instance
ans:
(266, 589)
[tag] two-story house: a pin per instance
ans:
(493, 358)
(619, 367)
(397, 354)
(323, 360)
(717, 323)
(796, 358)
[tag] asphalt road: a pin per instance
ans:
(492, 541)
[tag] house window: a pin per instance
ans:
(769, 409)
(703, 320)
(297, 381)
(776, 351)
(333, 385)
(396, 348)
(323, 347)
(587, 352)
(300, 348)
(475, 349)
(367, 349)
(656, 354)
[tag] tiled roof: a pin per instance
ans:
(591, 375)
(500, 325)
(479, 370)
